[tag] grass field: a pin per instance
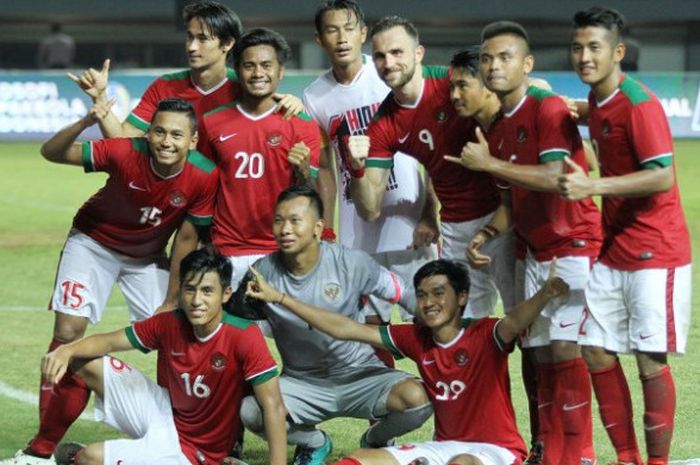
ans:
(37, 203)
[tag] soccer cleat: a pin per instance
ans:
(66, 451)
(364, 443)
(313, 456)
(536, 454)
(23, 458)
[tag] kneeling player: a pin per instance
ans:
(208, 361)
(463, 363)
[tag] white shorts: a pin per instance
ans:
(487, 282)
(240, 265)
(442, 453)
(139, 408)
(643, 310)
(87, 272)
(403, 263)
(561, 318)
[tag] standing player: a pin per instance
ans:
(417, 118)
(156, 185)
(324, 378)
(212, 30)
(210, 360)
(531, 140)
(638, 298)
(259, 153)
(342, 101)
(463, 364)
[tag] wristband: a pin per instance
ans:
(357, 173)
(328, 234)
(281, 301)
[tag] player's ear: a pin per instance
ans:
(363, 32)
(420, 53)
(194, 140)
(462, 299)
(318, 228)
(227, 46)
(619, 52)
(528, 63)
(226, 295)
(282, 68)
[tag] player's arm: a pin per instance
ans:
(523, 314)
(334, 324)
(55, 364)
(427, 231)
(367, 185)
(62, 148)
(289, 104)
(500, 223)
(651, 179)
(327, 188)
(186, 241)
(274, 415)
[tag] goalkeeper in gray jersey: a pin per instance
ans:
(323, 377)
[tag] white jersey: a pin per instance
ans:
(346, 110)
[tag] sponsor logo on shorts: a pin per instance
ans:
(274, 139)
(566, 325)
(218, 361)
(332, 292)
(177, 199)
(461, 357)
(644, 337)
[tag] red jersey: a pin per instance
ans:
(540, 130)
(207, 378)
(427, 131)
(137, 210)
(180, 85)
(466, 379)
(630, 132)
(251, 153)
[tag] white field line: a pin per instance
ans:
(32, 399)
(42, 308)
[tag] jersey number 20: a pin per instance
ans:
(252, 165)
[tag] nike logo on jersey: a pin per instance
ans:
(566, 325)
(568, 407)
(176, 354)
(132, 185)
(428, 362)
(404, 138)
(223, 138)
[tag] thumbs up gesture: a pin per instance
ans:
(574, 184)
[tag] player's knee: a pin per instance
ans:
(597, 358)
(68, 328)
(407, 394)
(650, 364)
(465, 459)
(564, 350)
(251, 415)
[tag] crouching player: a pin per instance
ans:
(463, 363)
(208, 359)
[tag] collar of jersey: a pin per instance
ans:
(608, 98)
(213, 89)
(213, 333)
(517, 107)
(256, 117)
(452, 342)
(174, 175)
(417, 102)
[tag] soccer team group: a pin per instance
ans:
(215, 155)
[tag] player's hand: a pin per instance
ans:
(165, 307)
(290, 104)
(359, 151)
(475, 156)
(299, 156)
(576, 184)
(572, 106)
(425, 233)
(92, 81)
(473, 252)
(554, 286)
(54, 365)
(99, 111)
(260, 289)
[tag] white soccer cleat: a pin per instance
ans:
(21, 458)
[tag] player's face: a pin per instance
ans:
(467, 92)
(437, 302)
(396, 56)
(505, 63)
(202, 298)
(204, 50)
(170, 138)
(259, 71)
(296, 226)
(341, 36)
(594, 55)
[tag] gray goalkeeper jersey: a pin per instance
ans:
(337, 283)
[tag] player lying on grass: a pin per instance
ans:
(208, 362)
(463, 364)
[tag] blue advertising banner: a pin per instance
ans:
(34, 105)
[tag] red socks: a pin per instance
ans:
(613, 395)
(348, 461)
(572, 406)
(528, 371)
(659, 410)
(550, 433)
(58, 409)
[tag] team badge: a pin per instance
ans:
(274, 139)
(177, 199)
(441, 116)
(332, 292)
(522, 134)
(461, 357)
(218, 361)
(605, 128)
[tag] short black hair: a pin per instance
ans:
(219, 19)
(330, 5)
(467, 59)
(456, 274)
(262, 36)
(203, 261)
(389, 22)
(499, 28)
(607, 18)
(178, 105)
(302, 191)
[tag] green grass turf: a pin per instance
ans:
(37, 202)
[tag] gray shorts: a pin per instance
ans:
(363, 395)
